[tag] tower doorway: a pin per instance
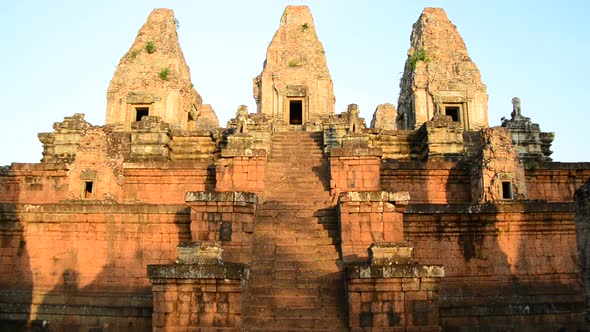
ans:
(295, 111)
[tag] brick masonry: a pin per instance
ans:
(225, 217)
(367, 218)
(205, 295)
(84, 265)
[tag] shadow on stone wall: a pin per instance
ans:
(16, 283)
(499, 274)
(582, 219)
(119, 297)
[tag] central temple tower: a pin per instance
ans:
(295, 84)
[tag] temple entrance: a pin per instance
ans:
(295, 112)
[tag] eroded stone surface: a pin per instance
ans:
(385, 117)
(207, 119)
(295, 71)
(531, 144)
(154, 77)
(582, 218)
(439, 74)
(498, 173)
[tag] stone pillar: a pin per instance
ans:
(199, 291)
(354, 168)
(228, 217)
(367, 218)
(393, 293)
(150, 139)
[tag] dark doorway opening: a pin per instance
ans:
(507, 190)
(88, 189)
(453, 112)
(140, 112)
(295, 112)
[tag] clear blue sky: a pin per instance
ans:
(58, 58)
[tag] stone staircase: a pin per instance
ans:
(295, 282)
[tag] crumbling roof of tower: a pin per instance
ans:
(296, 44)
(438, 54)
(155, 49)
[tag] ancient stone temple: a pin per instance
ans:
(293, 217)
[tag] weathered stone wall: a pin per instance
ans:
(433, 182)
(384, 117)
(152, 182)
(398, 144)
(164, 182)
(225, 217)
(196, 297)
(241, 173)
(582, 219)
(192, 145)
(367, 218)
(506, 265)
(555, 182)
(354, 169)
(82, 266)
(498, 172)
(33, 183)
(398, 301)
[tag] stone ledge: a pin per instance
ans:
(575, 166)
(365, 271)
(374, 196)
(216, 196)
(8, 309)
(415, 165)
(498, 207)
(237, 152)
(94, 207)
(356, 152)
(161, 273)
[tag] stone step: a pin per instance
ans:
(292, 205)
(295, 278)
(317, 323)
(296, 231)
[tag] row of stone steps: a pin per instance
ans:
(295, 282)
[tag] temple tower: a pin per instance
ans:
(153, 79)
(295, 84)
(439, 77)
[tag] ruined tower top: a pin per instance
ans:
(153, 78)
(439, 76)
(295, 84)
